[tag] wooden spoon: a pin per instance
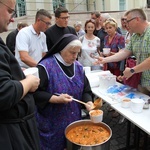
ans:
(79, 101)
(97, 102)
(74, 99)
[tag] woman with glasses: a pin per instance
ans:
(90, 46)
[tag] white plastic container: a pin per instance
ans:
(137, 105)
(106, 80)
(87, 70)
(106, 51)
(96, 116)
(125, 103)
(93, 80)
(33, 70)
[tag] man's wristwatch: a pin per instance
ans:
(132, 70)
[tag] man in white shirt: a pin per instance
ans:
(31, 41)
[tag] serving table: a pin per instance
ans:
(106, 98)
(140, 120)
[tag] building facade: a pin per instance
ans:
(29, 7)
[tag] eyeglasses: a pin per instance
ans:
(123, 19)
(130, 20)
(93, 18)
(64, 18)
(11, 11)
(47, 23)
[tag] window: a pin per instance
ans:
(148, 3)
(103, 5)
(122, 5)
(58, 3)
(21, 8)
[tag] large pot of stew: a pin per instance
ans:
(86, 135)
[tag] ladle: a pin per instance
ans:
(97, 102)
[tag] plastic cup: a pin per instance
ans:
(96, 116)
(106, 51)
(33, 70)
(125, 103)
(137, 105)
(87, 70)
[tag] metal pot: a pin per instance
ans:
(103, 146)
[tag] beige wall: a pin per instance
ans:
(74, 17)
(98, 4)
(76, 5)
(33, 5)
(48, 6)
(140, 3)
(81, 6)
(113, 5)
(30, 7)
(135, 4)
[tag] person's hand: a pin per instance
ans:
(34, 81)
(127, 73)
(127, 41)
(112, 53)
(65, 98)
(107, 55)
(89, 105)
(120, 78)
(62, 98)
(100, 60)
(23, 68)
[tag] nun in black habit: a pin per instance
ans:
(60, 72)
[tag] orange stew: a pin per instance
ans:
(88, 134)
(96, 112)
(126, 100)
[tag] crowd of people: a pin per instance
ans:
(35, 111)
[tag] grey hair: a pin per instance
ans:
(74, 43)
(105, 16)
(137, 12)
(78, 23)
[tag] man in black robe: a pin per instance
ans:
(11, 37)
(18, 129)
(55, 32)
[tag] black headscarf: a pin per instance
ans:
(61, 44)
